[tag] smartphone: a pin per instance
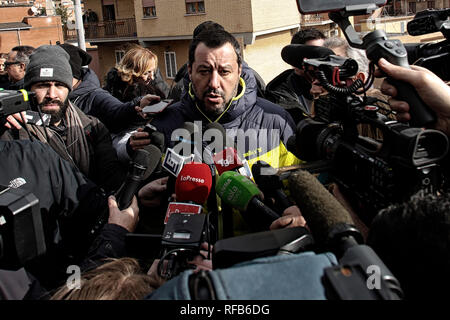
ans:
(157, 107)
(318, 6)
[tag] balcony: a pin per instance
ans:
(105, 30)
(315, 19)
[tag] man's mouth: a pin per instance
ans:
(214, 98)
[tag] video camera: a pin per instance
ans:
(372, 173)
(12, 101)
(433, 56)
(21, 231)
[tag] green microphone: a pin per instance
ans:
(241, 193)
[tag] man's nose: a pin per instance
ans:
(51, 92)
(214, 80)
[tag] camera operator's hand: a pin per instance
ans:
(145, 101)
(292, 217)
(150, 194)
(127, 218)
(139, 139)
(433, 91)
(14, 120)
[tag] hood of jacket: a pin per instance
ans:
(89, 83)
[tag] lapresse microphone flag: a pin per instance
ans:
(193, 183)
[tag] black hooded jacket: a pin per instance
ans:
(291, 92)
(95, 101)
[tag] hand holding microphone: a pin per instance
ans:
(150, 194)
(241, 193)
(141, 166)
(126, 218)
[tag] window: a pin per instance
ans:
(149, 9)
(119, 55)
(411, 7)
(431, 4)
(171, 64)
(195, 6)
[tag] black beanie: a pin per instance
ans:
(48, 63)
(78, 58)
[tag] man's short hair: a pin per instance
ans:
(23, 53)
(207, 25)
(413, 240)
(214, 39)
(304, 35)
(358, 55)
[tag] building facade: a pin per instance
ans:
(263, 27)
(20, 25)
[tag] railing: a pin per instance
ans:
(123, 28)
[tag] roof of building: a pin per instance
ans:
(14, 26)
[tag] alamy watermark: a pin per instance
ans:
(203, 145)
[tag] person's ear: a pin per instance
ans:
(22, 66)
(361, 75)
(189, 72)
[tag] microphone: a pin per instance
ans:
(269, 182)
(142, 165)
(294, 54)
(242, 193)
(189, 143)
(331, 224)
(227, 159)
(193, 183)
(322, 211)
(192, 188)
(156, 137)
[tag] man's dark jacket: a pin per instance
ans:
(69, 203)
(289, 91)
(93, 100)
(104, 169)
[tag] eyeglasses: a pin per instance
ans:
(9, 63)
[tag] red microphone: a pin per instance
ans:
(193, 183)
(227, 160)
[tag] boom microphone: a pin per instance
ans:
(241, 193)
(294, 54)
(322, 211)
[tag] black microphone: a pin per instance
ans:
(294, 54)
(270, 184)
(323, 212)
(142, 164)
(332, 227)
(156, 137)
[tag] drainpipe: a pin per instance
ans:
(18, 37)
(79, 25)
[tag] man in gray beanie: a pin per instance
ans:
(80, 139)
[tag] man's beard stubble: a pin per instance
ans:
(57, 116)
(218, 110)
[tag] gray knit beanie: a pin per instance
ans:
(48, 63)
